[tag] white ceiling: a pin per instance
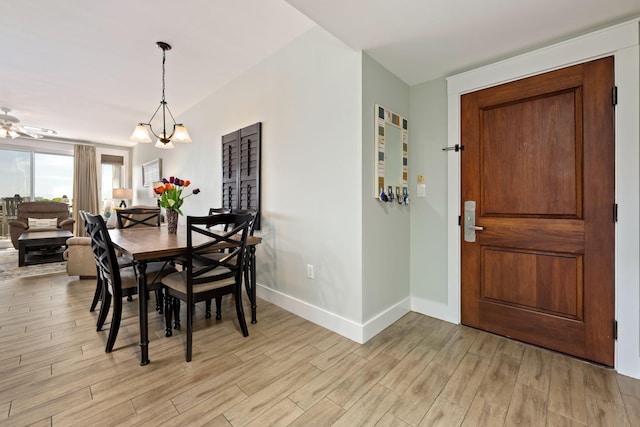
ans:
(91, 70)
(420, 40)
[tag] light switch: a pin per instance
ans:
(421, 179)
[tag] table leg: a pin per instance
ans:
(252, 272)
(22, 253)
(142, 312)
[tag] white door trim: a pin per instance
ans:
(621, 41)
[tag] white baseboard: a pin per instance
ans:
(359, 333)
(385, 319)
(434, 309)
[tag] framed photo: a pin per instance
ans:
(151, 172)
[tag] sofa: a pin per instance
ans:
(40, 216)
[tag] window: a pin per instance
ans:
(36, 175)
(16, 171)
(112, 176)
(53, 177)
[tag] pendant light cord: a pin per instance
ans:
(164, 104)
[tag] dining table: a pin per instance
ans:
(146, 244)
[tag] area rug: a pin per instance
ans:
(9, 266)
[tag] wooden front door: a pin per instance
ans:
(538, 161)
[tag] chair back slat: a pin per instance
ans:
(138, 217)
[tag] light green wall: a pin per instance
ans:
(308, 98)
(428, 251)
(385, 226)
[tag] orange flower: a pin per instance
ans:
(186, 183)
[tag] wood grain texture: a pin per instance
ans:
(539, 164)
(419, 371)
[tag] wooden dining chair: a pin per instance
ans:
(248, 261)
(207, 277)
(117, 282)
(122, 262)
(137, 216)
(97, 294)
(247, 265)
(140, 216)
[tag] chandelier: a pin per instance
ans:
(178, 131)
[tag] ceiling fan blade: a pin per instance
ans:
(28, 132)
(39, 130)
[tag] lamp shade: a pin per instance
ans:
(180, 134)
(140, 134)
(169, 145)
(123, 193)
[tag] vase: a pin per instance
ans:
(172, 221)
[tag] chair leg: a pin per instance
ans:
(104, 309)
(168, 313)
(176, 313)
(219, 307)
(97, 293)
(189, 331)
(240, 310)
(159, 301)
(247, 274)
(207, 314)
(115, 325)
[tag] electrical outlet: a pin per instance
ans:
(309, 271)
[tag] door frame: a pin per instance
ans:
(621, 41)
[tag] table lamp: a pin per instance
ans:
(123, 194)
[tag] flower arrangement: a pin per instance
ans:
(171, 193)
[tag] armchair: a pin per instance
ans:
(79, 257)
(40, 210)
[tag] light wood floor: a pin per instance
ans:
(288, 372)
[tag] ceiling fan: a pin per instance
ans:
(10, 126)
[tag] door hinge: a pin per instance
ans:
(615, 95)
(459, 220)
(615, 212)
(615, 330)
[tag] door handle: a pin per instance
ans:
(470, 226)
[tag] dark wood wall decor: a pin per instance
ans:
(241, 169)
